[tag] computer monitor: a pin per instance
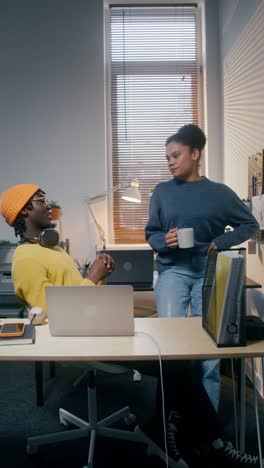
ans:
(133, 267)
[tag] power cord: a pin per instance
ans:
(162, 392)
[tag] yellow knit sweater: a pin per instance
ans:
(34, 267)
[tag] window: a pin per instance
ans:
(154, 91)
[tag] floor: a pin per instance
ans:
(21, 418)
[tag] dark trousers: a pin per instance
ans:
(183, 392)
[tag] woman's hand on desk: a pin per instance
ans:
(101, 267)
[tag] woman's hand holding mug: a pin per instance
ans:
(171, 238)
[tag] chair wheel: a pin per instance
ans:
(64, 422)
(130, 419)
(32, 450)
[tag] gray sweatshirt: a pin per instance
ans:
(206, 206)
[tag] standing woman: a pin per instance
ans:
(189, 200)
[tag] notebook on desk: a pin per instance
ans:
(133, 267)
(90, 310)
(28, 336)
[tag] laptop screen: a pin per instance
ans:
(133, 267)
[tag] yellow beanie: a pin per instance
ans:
(14, 199)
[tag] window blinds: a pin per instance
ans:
(154, 91)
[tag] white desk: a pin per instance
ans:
(178, 338)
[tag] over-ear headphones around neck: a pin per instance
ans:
(47, 238)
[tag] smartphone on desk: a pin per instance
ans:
(9, 330)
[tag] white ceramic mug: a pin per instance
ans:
(185, 238)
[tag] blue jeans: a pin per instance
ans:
(178, 293)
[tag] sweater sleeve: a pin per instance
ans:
(30, 281)
(240, 219)
(153, 230)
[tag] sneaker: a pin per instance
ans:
(173, 434)
(152, 435)
(229, 456)
(176, 438)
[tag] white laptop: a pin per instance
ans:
(90, 310)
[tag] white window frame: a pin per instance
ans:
(201, 88)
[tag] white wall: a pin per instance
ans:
(52, 130)
(242, 52)
(212, 92)
(243, 86)
(242, 58)
(52, 120)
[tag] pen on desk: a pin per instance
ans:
(31, 321)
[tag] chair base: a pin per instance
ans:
(95, 428)
(85, 429)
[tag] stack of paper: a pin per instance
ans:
(222, 298)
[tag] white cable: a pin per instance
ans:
(234, 401)
(256, 411)
(162, 393)
(98, 226)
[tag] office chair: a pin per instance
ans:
(144, 306)
(96, 427)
